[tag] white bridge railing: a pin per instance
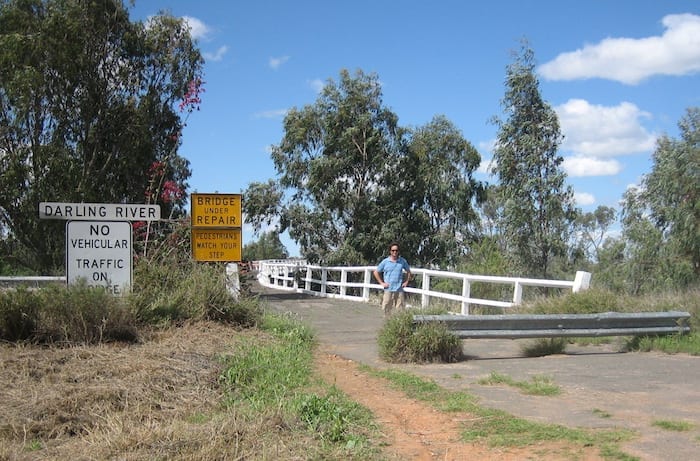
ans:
(356, 282)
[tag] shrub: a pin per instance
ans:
(19, 311)
(167, 290)
(402, 341)
(74, 314)
(541, 347)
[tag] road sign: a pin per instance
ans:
(100, 252)
(99, 211)
(216, 210)
(216, 244)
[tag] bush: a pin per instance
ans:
(74, 314)
(83, 314)
(402, 341)
(591, 301)
(167, 290)
(19, 314)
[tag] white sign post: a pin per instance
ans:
(100, 252)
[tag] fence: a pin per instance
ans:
(30, 281)
(356, 283)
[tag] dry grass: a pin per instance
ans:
(155, 400)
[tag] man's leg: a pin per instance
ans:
(400, 301)
(387, 303)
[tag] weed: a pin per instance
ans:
(678, 426)
(601, 413)
(544, 346)
(539, 385)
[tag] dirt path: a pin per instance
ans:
(416, 431)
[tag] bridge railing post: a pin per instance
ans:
(366, 281)
(466, 293)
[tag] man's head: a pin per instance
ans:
(394, 250)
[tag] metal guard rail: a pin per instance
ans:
(561, 325)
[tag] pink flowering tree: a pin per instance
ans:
(165, 185)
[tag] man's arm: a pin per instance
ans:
(379, 279)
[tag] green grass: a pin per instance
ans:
(498, 428)
(677, 426)
(671, 344)
(275, 376)
(538, 385)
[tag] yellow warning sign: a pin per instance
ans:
(216, 245)
(216, 210)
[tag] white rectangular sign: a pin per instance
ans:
(100, 252)
(99, 211)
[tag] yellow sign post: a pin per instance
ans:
(216, 227)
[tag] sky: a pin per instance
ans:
(619, 75)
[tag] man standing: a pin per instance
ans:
(390, 274)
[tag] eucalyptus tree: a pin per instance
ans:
(343, 169)
(538, 206)
(593, 228)
(447, 191)
(672, 190)
(91, 110)
(661, 218)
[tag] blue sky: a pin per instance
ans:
(618, 73)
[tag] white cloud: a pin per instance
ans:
(485, 166)
(627, 60)
(588, 166)
(274, 113)
(584, 198)
(275, 63)
(197, 28)
(603, 131)
(218, 55)
(316, 84)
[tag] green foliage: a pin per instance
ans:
(89, 114)
(593, 229)
(537, 206)
(338, 194)
(446, 190)
(266, 375)
(402, 341)
(661, 234)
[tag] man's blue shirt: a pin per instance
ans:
(393, 272)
